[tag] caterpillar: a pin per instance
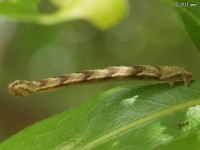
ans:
(171, 74)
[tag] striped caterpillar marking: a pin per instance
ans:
(164, 73)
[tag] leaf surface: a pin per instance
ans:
(143, 117)
(189, 12)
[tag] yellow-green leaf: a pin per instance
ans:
(102, 13)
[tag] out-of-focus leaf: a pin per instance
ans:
(189, 12)
(102, 13)
(142, 117)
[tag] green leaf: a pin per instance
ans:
(103, 14)
(143, 117)
(190, 16)
(191, 142)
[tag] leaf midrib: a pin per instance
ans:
(134, 124)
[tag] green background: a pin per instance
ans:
(152, 33)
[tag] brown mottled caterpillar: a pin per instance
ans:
(165, 73)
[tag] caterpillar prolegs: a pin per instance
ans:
(170, 74)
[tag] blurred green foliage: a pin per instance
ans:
(190, 16)
(102, 13)
(152, 34)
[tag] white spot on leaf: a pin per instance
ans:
(129, 101)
